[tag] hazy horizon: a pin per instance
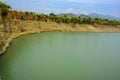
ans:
(107, 7)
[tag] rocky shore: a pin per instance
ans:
(12, 29)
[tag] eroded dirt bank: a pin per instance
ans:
(10, 29)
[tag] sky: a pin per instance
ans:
(107, 7)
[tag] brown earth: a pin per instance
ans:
(13, 28)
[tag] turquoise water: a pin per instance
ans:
(62, 56)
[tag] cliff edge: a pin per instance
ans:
(14, 26)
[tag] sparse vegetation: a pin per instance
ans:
(4, 8)
(52, 17)
(82, 20)
(16, 23)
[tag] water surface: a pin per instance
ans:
(62, 56)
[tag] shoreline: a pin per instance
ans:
(66, 27)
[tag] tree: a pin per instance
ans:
(65, 15)
(52, 14)
(98, 20)
(4, 8)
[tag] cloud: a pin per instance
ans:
(49, 10)
(95, 1)
(89, 12)
(85, 12)
(56, 11)
(97, 12)
(70, 10)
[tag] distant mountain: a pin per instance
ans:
(68, 14)
(93, 15)
(83, 15)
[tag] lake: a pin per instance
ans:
(62, 56)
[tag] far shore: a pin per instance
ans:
(29, 27)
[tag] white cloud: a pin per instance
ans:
(88, 12)
(85, 12)
(70, 10)
(56, 11)
(49, 10)
(96, 12)
(94, 1)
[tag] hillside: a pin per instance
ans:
(68, 14)
(18, 23)
(94, 15)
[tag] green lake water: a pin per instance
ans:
(62, 56)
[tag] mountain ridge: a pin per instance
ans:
(92, 15)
